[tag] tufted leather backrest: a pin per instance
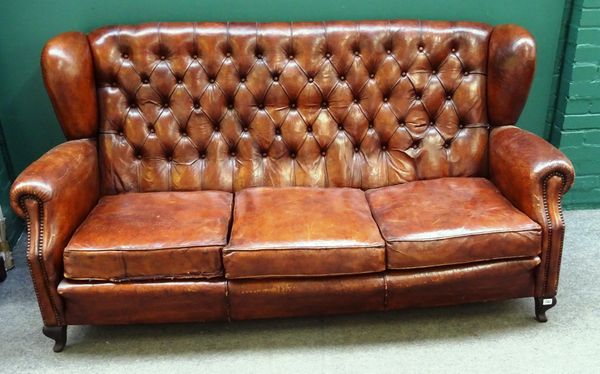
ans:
(229, 106)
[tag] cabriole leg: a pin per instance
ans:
(542, 304)
(58, 334)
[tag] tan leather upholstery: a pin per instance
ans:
(160, 235)
(450, 221)
(168, 123)
(347, 104)
(301, 231)
(144, 302)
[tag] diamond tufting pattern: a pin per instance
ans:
(226, 106)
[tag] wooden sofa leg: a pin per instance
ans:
(58, 334)
(542, 304)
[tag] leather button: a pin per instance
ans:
(311, 79)
(403, 74)
(232, 153)
(133, 105)
(327, 55)
(293, 105)
(415, 145)
(309, 128)
(120, 133)
(202, 155)
(264, 154)
(170, 158)
(261, 106)
(461, 126)
(356, 149)
(355, 101)
(162, 58)
(184, 134)
(401, 123)
(342, 77)
(139, 156)
(196, 105)
(389, 51)
(151, 129)
(243, 79)
(228, 54)
(245, 129)
(356, 53)
(165, 105)
(417, 97)
(276, 78)
(466, 73)
(145, 80)
(447, 144)
(385, 99)
(323, 153)
(292, 155)
(434, 72)
(113, 84)
(324, 104)
(421, 48)
(371, 75)
(449, 97)
(179, 81)
(230, 106)
(195, 56)
(291, 57)
(125, 55)
(431, 123)
(259, 56)
(384, 147)
(217, 128)
(371, 125)
(453, 50)
(340, 127)
(278, 131)
(211, 80)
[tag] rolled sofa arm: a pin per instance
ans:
(534, 176)
(55, 194)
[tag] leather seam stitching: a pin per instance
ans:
(39, 253)
(547, 255)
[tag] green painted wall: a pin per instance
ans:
(29, 122)
(576, 129)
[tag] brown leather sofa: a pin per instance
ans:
(233, 171)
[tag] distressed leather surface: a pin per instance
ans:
(229, 106)
(450, 221)
(158, 235)
(302, 231)
(348, 104)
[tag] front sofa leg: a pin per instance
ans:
(542, 304)
(58, 334)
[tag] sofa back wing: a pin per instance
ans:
(222, 106)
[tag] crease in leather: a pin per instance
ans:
(466, 235)
(492, 259)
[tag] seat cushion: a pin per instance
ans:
(300, 231)
(154, 235)
(450, 221)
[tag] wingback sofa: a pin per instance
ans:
(230, 171)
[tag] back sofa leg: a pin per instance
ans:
(542, 304)
(58, 334)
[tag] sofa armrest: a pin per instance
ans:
(534, 176)
(55, 194)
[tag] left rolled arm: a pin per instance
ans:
(534, 176)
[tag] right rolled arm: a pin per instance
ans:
(54, 195)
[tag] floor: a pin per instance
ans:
(492, 337)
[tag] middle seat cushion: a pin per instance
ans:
(302, 232)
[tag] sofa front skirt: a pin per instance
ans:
(220, 299)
